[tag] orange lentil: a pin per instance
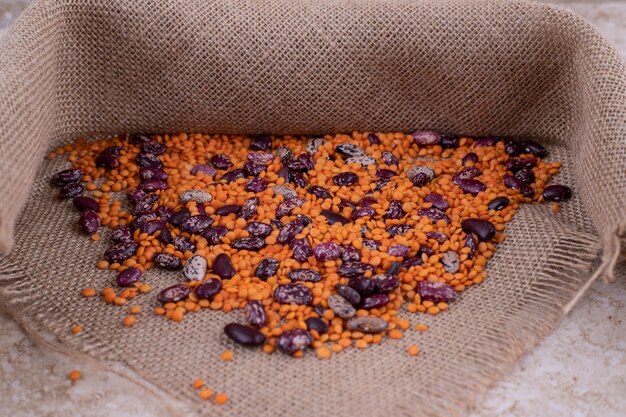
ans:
(227, 355)
(135, 310)
(205, 393)
(221, 398)
(129, 321)
(74, 375)
(421, 327)
(198, 383)
(76, 329)
(88, 292)
(413, 350)
(396, 334)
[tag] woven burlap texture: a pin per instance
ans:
(515, 68)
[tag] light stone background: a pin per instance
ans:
(577, 371)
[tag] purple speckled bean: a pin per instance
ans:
(141, 218)
(332, 217)
(254, 312)
(433, 214)
(256, 185)
(146, 174)
(349, 253)
(525, 175)
(293, 341)
(438, 236)
(266, 268)
(259, 229)
(150, 186)
(341, 307)
(466, 173)
(253, 169)
(112, 150)
(471, 186)
(164, 213)
(470, 157)
(148, 160)
(286, 207)
(173, 293)
(471, 242)
(122, 234)
(420, 175)
(513, 148)
(487, 141)
(227, 209)
(72, 190)
(394, 211)
(371, 244)
(120, 252)
(260, 157)
(364, 286)
(107, 161)
(221, 161)
(183, 244)
(89, 221)
(290, 230)
(368, 201)
(249, 207)
(301, 249)
(348, 150)
(394, 268)
(437, 292)
(233, 175)
(427, 250)
(205, 169)
(253, 244)
(136, 196)
(307, 160)
(67, 176)
(196, 224)
(438, 201)
(512, 182)
(426, 138)
(367, 324)
(385, 282)
(346, 204)
(515, 165)
(363, 212)
(293, 294)
(223, 267)
(345, 178)
(389, 158)
(398, 229)
(298, 179)
(398, 250)
(319, 192)
(557, 193)
(385, 173)
(138, 139)
(373, 139)
(85, 203)
(262, 142)
(208, 288)
(354, 268)
(167, 261)
(305, 275)
(317, 324)
(153, 147)
(179, 216)
(152, 226)
(374, 301)
(128, 277)
(412, 261)
(349, 294)
(145, 205)
(328, 251)
(214, 234)
(483, 229)
(449, 141)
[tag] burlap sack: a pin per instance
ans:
(96, 67)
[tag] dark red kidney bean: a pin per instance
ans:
(128, 277)
(398, 229)
(72, 190)
(498, 203)
(164, 213)
(253, 244)
(349, 253)
(122, 234)
(167, 261)
(412, 261)
(371, 244)
(466, 173)
(319, 325)
(483, 229)
(141, 218)
(349, 294)
(183, 244)
(256, 185)
(152, 185)
(427, 250)
(385, 173)
(368, 201)
(354, 268)
(233, 175)
(293, 341)
(374, 301)
(307, 160)
(328, 251)
(394, 268)
(293, 294)
(349, 149)
(363, 212)
(107, 161)
(373, 139)
(486, 141)
(389, 158)
(305, 275)
(173, 293)
(298, 179)
(252, 169)
(120, 252)
(512, 182)
(385, 282)
(205, 169)
(85, 203)
(244, 335)
(513, 148)
(261, 142)
(259, 229)
(153, 147)
(301, 249)
(364, 286)
(345, 178)
(136, 196)
(112, 150)
(284, 174)
(228, 209)
(471, 242)
(208, 288)
(248, 209)
(470, 157)
(345, 203)
(223, 267)
(319, 192)
(557, 193)
(433, 214)
(398, 250)
(284, 154)
(530, 146)
(332, 217)
(166, 236)
(449, 141)
(286, 207)
(525, 175)
(214, 234)
(394, 211)
(426, 138)
(138, 139)
(437, 292)
(147, 174)
(305, 219)
(438, 236)
(148, 160)
(152, 226)
(266, 268)
(89, 221)
(290, 230)
(221, 161)
(515, 165)
(254, 312)
(437, 200)
(67, 176)
(260, 157)
(471, 186)
(196, 224)
(180, 216)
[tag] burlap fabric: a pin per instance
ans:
(96, 67)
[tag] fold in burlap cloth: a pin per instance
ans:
(96, 67)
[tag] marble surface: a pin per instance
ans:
(579, 370)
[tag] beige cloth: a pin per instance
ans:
(96, 67)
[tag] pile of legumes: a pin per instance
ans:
(321, 241)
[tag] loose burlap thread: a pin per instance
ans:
(514, 68)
